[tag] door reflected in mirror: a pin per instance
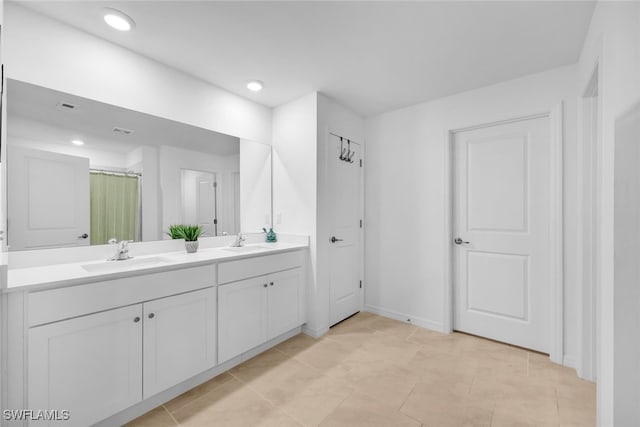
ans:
(82, 172)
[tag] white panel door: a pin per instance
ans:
(206, 203)
(283, 302)
(242, 316)
(501, 223)
(344, 193)
(89, 365)
(179, 338)
(48, 199)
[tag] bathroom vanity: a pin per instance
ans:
(109, 340)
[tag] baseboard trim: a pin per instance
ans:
(569, 361)
(154, 401)
(406, 318)
(314, 333)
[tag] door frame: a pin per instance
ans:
(556, 229)
(589, 178)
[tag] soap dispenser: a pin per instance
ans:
(270, 235)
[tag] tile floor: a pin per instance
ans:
(373, 371)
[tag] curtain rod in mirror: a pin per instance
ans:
(111, 172)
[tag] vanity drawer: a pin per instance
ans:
(63, 303)
(257, 266)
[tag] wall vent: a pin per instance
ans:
(66, 106)
(122, 131)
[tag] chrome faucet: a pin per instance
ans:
(122, 250)
(239, 240)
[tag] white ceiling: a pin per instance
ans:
(370, 56)
(93, 122)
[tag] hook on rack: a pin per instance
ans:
(342, 150)
(346, 154)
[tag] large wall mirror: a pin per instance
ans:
(81, 172)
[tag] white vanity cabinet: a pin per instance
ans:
(242, 310)
(89, 365)
(97, 364)
(254, 310)
(283, 302)
(179, 339)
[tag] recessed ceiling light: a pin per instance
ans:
(118, 20)
(77, 142)
(255, 85)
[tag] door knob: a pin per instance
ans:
(83, 236)
(333, 239)
(459, 241)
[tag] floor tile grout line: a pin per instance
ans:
(273, 404)
(171, 415)
(197, 398)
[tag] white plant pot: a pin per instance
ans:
(191, 246)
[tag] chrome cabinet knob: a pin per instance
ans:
(265, 285)
(136, 319)
(151, 315)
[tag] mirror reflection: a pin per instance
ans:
(81, 172)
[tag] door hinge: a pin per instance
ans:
(360, 162)
(360, 223)
(360, 284)
(215, 221)
(215, 184)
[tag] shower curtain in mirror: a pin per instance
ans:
(114, 207)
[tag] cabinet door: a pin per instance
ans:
(89, 365)
(179, 338)
(283, 307)
(242, 308)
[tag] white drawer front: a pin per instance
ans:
(260, 265)
(63, 303)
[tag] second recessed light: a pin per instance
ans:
(255, 85)
(118, 20)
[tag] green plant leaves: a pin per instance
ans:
(188, 232)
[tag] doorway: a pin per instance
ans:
(505, 246)
(200, 200)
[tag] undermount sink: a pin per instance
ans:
(110, 266)
(245, 249)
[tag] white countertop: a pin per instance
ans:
(58, 275)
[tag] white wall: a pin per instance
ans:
(300, 185)
(255, 186)
(405, 178)
(295, 181)
(613, 40)
(172, 160)
(45, 52)
(627, 270)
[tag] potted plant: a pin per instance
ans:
(189, 233)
